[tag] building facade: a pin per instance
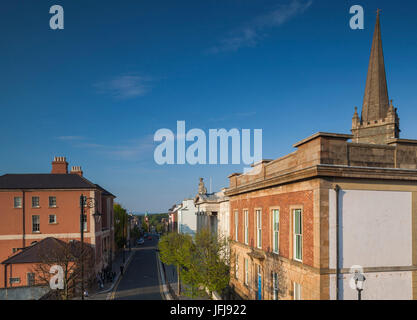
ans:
(301, 225)
(37, 206)
(187, 217)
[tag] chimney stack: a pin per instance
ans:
(77, 170)
(59, 165)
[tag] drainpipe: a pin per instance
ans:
(337, 189)
(23, 219)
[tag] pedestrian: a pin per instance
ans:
(121, 269)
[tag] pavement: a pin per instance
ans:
(105, 292)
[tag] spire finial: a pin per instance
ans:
(378, 11)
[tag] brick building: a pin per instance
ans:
(301, 224)
(37, 206)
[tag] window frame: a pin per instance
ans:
(246, 280)
(39, 202)
(258, 219)
(298, 235)
(246, 225)
(296, 291)
(275, 287)
(275, 246)
(38, 224)
(236, 225)
(21, 202)
(30, 278)
(49, 219)
(49, 201)
(237, 267)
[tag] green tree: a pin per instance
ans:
(202, 261)
(120, 224)
(212, 263)
(175, 249)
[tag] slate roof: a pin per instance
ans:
(33, 253)
(45, 181)
(48, 181)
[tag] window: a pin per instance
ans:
(85, 222)
(14, 280)
(298, 235)
(35, 202)
(275, 285)
(236, 225)
(246, 271)
(52, 202)
(17, 202)
(246, 226)
(275, 230)
(30, 278)
(297, 291)
(237, 267)
(52, 218)
(35, 223)
(259, 228)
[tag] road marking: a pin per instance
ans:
(159, 276)
(121, 276)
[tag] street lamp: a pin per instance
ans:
(89, 203)
(359, 281)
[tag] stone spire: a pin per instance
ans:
(375, 102)
(379, 122)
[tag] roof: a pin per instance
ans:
(104, 191)
(33, 253)
(45, 181)
(324, 134)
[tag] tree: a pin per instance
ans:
(120, 224)
(212, 261)
(202, 262)
(68, 256)
(175, 249)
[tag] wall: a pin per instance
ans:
(376, 232)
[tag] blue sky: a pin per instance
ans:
(98, 90)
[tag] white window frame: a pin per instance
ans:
(36, 224)
(246, 271)
(275, 231)
(14, 203)
(258, 216)
(39, 202)
(246, 214)
(49, 218)
(49, 201)
(85, 223)
(297, 291)
(298, 235)
(236, 226)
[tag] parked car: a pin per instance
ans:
(141, 241)
(149, 237)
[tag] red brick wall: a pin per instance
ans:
(286, 202)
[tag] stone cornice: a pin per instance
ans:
(323, 170)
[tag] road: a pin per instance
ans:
(141, 279)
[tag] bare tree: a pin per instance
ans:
(68, 256)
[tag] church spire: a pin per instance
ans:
(375, 102)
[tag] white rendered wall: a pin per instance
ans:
(375, 231)
(187, 218)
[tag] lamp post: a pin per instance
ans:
(359, 281)
(89, 203)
